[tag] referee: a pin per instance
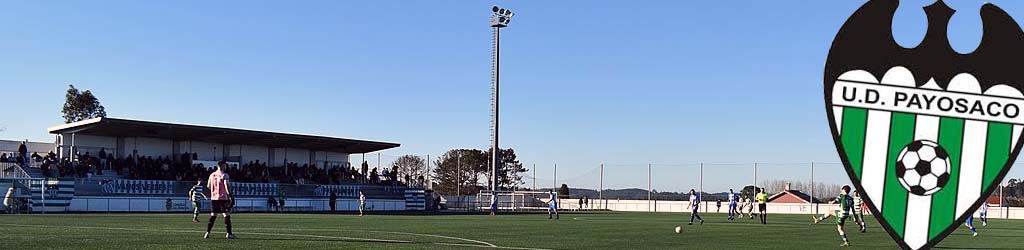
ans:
(762, 205)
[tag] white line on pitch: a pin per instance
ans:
(487, 245)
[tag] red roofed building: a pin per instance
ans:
(792, 196)
(993, 201)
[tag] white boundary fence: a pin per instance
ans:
(773, 208)
(182, 204)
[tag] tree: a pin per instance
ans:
(411, 165)
(823, 191)
(563, 192)
(509, 171)
(80, 106)
(747, 191)
(459, 170)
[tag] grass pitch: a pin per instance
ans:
(597, 230)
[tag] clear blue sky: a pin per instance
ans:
(622, 82)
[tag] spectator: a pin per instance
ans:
(334, 201)
(23, 153)
(271, 204)
(280, 201)
(103, 158)
(3, 157)
(366, 169)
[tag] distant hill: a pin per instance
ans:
(640, 194)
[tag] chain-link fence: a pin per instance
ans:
(793, 187)
(667, 186)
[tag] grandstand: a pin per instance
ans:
(122, 165)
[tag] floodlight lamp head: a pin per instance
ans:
(501, 17)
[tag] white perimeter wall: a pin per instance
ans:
(38, 147)
(92, 144)
(773, 208)
(181, 204)
(300, 156)
(320, 156)
(250, 153)
(205, 151)
(147, 146)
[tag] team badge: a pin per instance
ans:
(926, 133)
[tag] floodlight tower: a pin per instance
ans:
(500, 18)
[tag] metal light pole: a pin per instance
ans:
(1005, 215)
(755, 179)
(554, 179)
(500, 18)
(430, 183)
(458, 175)
(535, 177)
(600, 188)
(813, 212)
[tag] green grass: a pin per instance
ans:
(606, 230)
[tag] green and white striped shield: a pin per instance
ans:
(926, 133)
(873, 135)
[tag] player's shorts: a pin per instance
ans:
(983, 214)
(195, 204)
(841, 219)
(857, 214)
(762, 207)
(362, 206)
(553, 206)
(221, 206)
(732, 205)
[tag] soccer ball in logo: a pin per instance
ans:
(923, 167)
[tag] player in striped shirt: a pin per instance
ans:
(552, 204)
(196, 195)
(858, 211)
(970, 225)
(732, 205)
(983, 213)
(695, 207)
(362, 203)
(845, 207)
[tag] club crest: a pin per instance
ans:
(925, 133)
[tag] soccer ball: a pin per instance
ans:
(679, 229)
(923, 167)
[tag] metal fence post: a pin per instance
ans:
(813, 205)
(600, 189)
(649, 192)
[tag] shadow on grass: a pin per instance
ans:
(333, 240)
(975, 248)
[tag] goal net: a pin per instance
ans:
(514, 200)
